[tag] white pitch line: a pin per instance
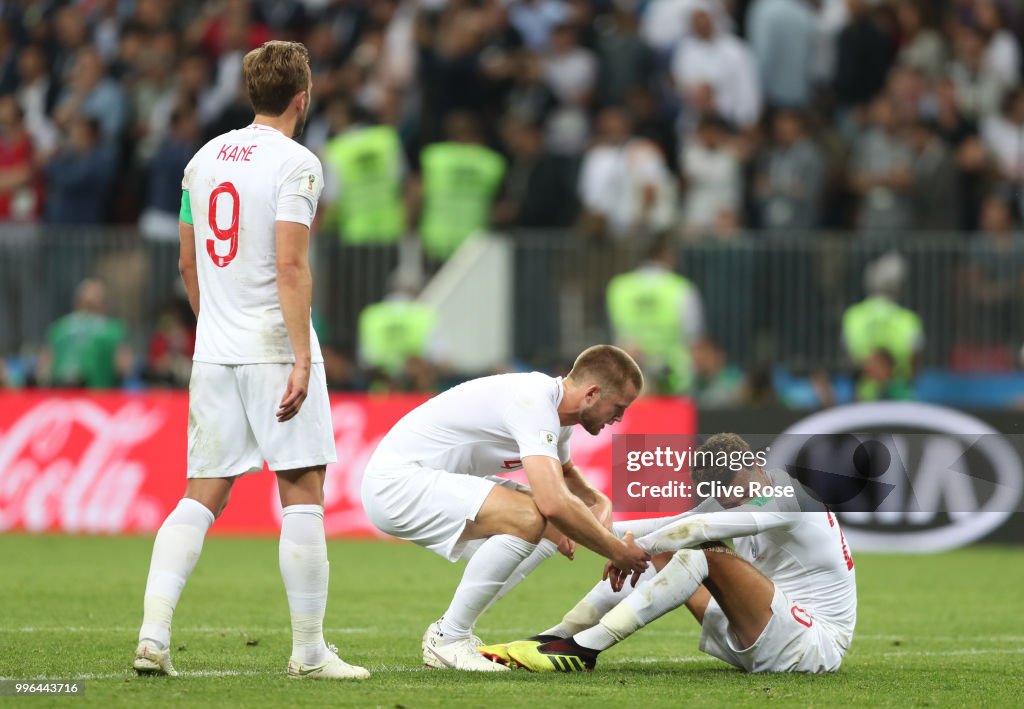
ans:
(956, 653)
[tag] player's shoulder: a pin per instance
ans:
(296, 154)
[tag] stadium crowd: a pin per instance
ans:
(616, 119)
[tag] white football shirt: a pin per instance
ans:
(239, 185)
(804, 553)
(482, 427)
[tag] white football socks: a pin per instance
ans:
(487, 571)
(306, 572)
(669, 589)
(544, 551)
(176, 550)
(598, 601)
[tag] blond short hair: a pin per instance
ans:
(273, 74)
(609, 366)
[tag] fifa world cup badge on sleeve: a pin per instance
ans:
(308, 183)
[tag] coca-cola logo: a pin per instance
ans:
(67, 464)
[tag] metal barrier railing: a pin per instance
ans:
(766, 298)
(771, 299)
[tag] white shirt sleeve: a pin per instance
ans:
(714, 527)
(533, 423)
(186, 179)
(300, 191)
(564, 452)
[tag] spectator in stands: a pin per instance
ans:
(714, 57)
(172, 345)
(71, 32)
(20, 206)
(666, 23)
(1002, 49)
(863, 58)
(933, 196)
(782, 34)
(717, 384)
(879, 322)
(159, 219)
(993, 280)
(535, 20)
(921, 46)
(625, 61)
(657, 316)
(37, 95)
(878, 379)
(79, 177)
(1003, 137)
(20, 190)
(712, 174)
(539, 188)
(529, 97)
(569, 69)
(624, 186)
(881, 174)
(89, 93)
(979, 92)
(86, 347)
(790, 177)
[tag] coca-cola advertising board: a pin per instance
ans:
(109, 463)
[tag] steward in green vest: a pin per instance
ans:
(460, 180)
(368, 163)
(394, 331)
(648, 309)
(879, 323)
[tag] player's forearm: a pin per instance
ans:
(577, 522)
(295, 288)
(190, 277)
(692, 531)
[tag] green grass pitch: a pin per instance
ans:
(941, 630)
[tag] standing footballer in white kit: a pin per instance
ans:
(432, 481)
(258, 391)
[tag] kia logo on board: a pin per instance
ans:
(905, 476)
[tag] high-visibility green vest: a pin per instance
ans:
(645, 310)
(392, 331)
(878, 323)
(368, 162)
(459, 183)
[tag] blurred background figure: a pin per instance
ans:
(86, 347)
(169, 359)
(398, 339)
(880, 324)
(460, 179)
(790, 177)
(625, 186)
(657, 316)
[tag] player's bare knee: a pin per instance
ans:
(528, 524)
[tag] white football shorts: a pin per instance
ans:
(233, 427)
(793, 640)
(423, 505)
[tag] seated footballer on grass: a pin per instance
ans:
(784, 601)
